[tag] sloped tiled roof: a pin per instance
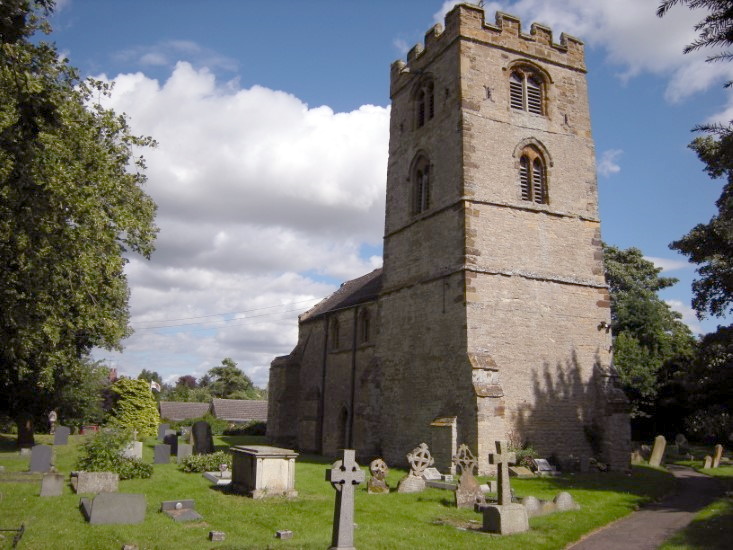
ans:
(239, 410)
(357, 291)
(181, 410)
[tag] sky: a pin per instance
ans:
(272, 122)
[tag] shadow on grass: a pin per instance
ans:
(713, 529)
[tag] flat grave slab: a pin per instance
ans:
(114, 508)
(180, 510)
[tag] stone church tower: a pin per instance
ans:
(491, 307)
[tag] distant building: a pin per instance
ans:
(231, 410)
(182, 410)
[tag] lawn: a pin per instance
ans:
(420, 520)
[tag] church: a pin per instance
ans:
(491, 313)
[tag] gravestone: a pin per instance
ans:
(505, 517)
(544, 468)
(520, 472)
(344, 476)
(261, 471)
(419, 459)
(184, 450)
(468, 493)
(52, 485)
(134, 450)
(658, 451)
(564, 501)
(284, 534)
(201, 438)
(41, 458)
(717, 455)
(431, 474)
(52, 418)
(444, 442)
(217, 536)
(95, 482)
(682, 444)
(171, 439)
(61, 435)
(180, 510)
(377, 484)
(114, 508)
(637, 457)
(161, 430)
(708, 462)
(162, 454)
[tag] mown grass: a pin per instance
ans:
(423, 520)
(712, 527)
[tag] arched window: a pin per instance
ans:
(424, 99)
(421, 185)
(526, 91)
(334, 336)
(532, 176)
(364, 326)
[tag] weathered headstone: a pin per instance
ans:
(520, 472)
(114, 508)
(52, 418)
(444, 442)
(505, 517)
(708, 463)
(419, 459)
(134, 450)
(344, 476)
(637, 457)
(161, 430)
(564, 501)
(52, 485)
(162, 454)
(717, 455)
(658, 451)
(431, 474)
(377, 483)
(468, 493)
(184, 450)
(682, 444)
(217, 536)
(41, 458)
(180, 510)
(201, 438)
(95, 482)
(61, 435)
(171, 439)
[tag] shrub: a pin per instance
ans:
(206, 463)
(254, 427)
(135, 407)
(103, 453)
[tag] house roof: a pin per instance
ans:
(181, 410)
(239, 410)
(351, 293)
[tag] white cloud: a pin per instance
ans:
(669, 264)
(168, 52)
(260, 198)
(629, 31)
(688, 315)
(608, 164)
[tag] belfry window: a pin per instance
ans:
(364, 326)
(532, 177)
(421, 185)
(334, 336)
(424, 98)
(526, 91)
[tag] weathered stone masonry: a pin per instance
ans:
(491, 305)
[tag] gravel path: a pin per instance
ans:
(651, 526)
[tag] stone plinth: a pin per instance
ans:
(261, 471)
(504, 519)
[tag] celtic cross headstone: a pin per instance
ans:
(419, 459)
(344, 476)
(468, 492)
(378, 481)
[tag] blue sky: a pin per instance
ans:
(272, 120)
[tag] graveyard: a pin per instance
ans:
(382, 520)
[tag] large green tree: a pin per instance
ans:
(71, 209)
(651, 342)
(229, 382)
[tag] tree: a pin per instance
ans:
(135, 407)
(711, 245)
(229, 382)
(150, 376)
(72, 209)
(651, 342)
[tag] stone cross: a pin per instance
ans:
(503, 458)
(344, 476)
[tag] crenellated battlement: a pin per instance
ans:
(468, 22)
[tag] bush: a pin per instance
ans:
(206, 463)
(103, 453)
(218, 426)
(250, 428)
(135, 407)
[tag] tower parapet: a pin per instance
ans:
(467, 21)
